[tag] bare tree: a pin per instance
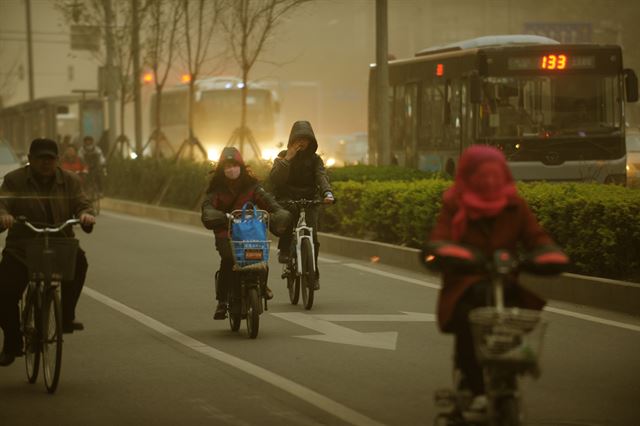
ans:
(249, 26)
(8, 80)
(200, 21)
(93, 13)
(162, 41)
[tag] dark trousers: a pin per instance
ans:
(14, 277)
(464, 351)
(311, 217)
(225, 277)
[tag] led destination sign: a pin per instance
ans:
(551, 62)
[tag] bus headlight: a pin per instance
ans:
(269, 154)
(213, 154)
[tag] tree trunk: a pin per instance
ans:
(243, 116)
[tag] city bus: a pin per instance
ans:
(557, 111)
(217, 114)
(65, 119)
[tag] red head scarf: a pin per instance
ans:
(483, 187)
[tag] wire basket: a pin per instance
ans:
(64, 256)
(511, 336)
(250, 254)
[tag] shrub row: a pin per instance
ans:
(365, 173)
(597, 225)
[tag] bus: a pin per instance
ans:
(65, 119)
(217, 114)
(557, 111)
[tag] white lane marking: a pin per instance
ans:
(307, 395)
(404, 317)
(334, 333)
(422, 283)
(327, 260)
(592, 318)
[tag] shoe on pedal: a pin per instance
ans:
(72, 326)
(283, 257)
(7, 358)
(268, 293)
(316, 282)
(221, 311)
(477, 409)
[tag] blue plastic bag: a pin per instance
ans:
(249, 239)
(249, 228)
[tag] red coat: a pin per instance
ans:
(228, 199)
(514, 226)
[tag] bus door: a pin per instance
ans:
(411, 125)
(92, 119)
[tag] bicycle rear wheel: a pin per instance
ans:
(308, 274)
(32, 347)
(253, 312)
(508, 411)
(51, 338)
(235, 316)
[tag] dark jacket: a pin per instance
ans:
(21, 195)
(304, 176)
(514, 226)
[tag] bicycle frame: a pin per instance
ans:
(43, 288)
(303, 232)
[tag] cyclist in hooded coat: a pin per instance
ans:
(231, 186)
(299, 173)
(483, 210)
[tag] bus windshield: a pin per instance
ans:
(549, 106)
(224, 106)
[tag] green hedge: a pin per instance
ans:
(597, 225)
(364, 173)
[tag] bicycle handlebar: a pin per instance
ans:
(302, 202)
(46, 230)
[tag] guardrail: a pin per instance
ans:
(619, 296)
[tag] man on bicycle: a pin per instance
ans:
(299, 173)
(43, 193)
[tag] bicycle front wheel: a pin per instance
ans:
(308, 274)
(293, 285)
(253, 312)
(30, 331)
(51, 338)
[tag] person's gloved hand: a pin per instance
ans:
(6, 221)
(328, 198)
(280, 220)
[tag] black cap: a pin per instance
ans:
(42, 147)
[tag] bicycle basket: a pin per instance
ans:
(64, 256)
(250, 254)
(511, 336)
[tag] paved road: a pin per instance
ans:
(368, 352)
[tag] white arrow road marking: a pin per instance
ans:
(405, 317)
(334, 333)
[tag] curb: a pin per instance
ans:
(602, 293)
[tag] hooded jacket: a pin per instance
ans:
(223, 198)
(304, 176)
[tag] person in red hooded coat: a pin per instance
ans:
(231, 186)
(482, 210)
